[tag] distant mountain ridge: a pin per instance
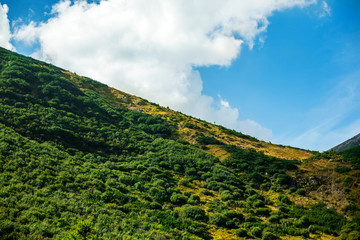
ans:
(352, 142)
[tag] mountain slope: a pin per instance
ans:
(188, 127)
(352, 142)
(80, 160)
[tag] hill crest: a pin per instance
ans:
(352, 142)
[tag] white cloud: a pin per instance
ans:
(151, 49)
(5, 34)
(228, 116)
(27, 33)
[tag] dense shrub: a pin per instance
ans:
(269, 236)
(262, 212)
(251, 218)
(206, 192)
(226, 195)
(353, 235)
(256, 232)
(218, 219)
(301, 192)
(194, 199)
(155, 205)
(258, 204)
(302, 222)
(241, 232)
(254, 197)
(342, 169)
(274, 218)
(284, 199)
(178, 199)
(229, 219)
(282, 179)
(192, 126)
(292, 190)
(312, 229)
(232, 214)
(352, 155)
(207, 140)
(193, 212)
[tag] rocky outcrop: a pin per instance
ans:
(323, 188)
(124, 99)
(309, 183)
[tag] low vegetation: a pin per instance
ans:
(77, 162)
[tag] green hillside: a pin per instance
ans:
(80, 160)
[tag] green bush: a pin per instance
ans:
(206, 192)
(254, 197)
(312, 229)
(189, 125)
(155, 205)
(284, 209)
(262, 212)
(241, 232)
(184, 182)
(193, 212)
(274, 218)
(353, 235)
(207, 140)
(194, 199)
(228, 219)
(178, 199)
(329, 219)
(82, 231)
(301, 192)
(226, 195)
(256, 232)
(232, 214)
(258, 204)
(269, 236)
(348, 179)
(302, 222)
(159, 194)
(284, 199)
(218, 219)
(251, 218)
(342, 169)
(292, 190)
(265, 186)
(282, 179)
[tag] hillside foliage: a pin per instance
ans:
(76, 165)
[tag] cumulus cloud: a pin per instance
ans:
(151, 49)
(5, 34)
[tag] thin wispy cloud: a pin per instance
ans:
(325, 128)
(325, 10)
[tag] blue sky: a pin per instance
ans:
(292, 78)
(302, 66)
